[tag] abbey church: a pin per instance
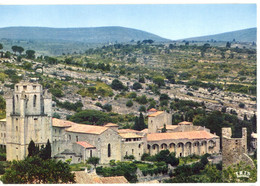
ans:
(29, 117)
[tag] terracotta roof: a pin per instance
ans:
(115, 179)
(180, 135)
(111, 125)
(61, 123)
(152, 110)
(88, 129)
(155, 114)
(130, 135)
(128, 130)
(81, 177)
(185, 123)
(170, 127)
(144, 131)
(86, 145)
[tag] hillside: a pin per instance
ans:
(86, 35)
(246, 35)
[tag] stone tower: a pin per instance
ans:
(28, 117)
(234, 150)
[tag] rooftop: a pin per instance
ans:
(61, 123)
(170, 127)
(156, 114)
(185, 123)
(130, 135)
(81, 177)
(152, 110)
(86, 145)
(180, 135)
(88, 129)
(111, 125)
(128, 130)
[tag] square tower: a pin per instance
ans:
(28, 117)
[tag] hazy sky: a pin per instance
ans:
(170, 21)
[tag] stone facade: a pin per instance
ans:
(234, 150)
(28, 117)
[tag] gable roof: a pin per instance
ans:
(156, 114)
(86, 145)
(88, 129)
(152, 110)
(81, 177)
(111, 125)
(128, 130)
(130, 135)
(180, 135)
(61, 123)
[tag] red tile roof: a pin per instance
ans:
(130, 135)
(152, 110)
(86, 145)
(111, 125)
(180, 135)
(88, 129)
(185, 123)
(127, 131)
(155, 114)
(62, 123)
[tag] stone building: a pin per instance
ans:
(234, 150)
(28, 117)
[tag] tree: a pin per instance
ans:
(142, 108)
(20, 50)
(31, 148)
(228, 45)
(137, 86)
(48, 150)
(129, 103)
(1, 46)
(117, 85)
(35, 170)
(164, 129)
(93, 160)
(107, 107)
(159, 80)
(30, 54)
(141, 79)
(141, 121)
(14, 48)
(164, 97)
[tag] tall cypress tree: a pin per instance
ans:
(136, 125)
(141, 122)
(31, 148)
(48, 150)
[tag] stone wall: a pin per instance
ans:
(234, 150)
(156, 122)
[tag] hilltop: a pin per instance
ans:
(245, 35)
(87, 35)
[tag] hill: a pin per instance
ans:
(246, 35)
(86, 35)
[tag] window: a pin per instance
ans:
(132, 151)
(91, 153)
(16, 128)
(109, 150)
(70, 137)
(55, 130)
(17, 88)
(24, 87)
(34, 87)
(77, 138)
(34, 101)
(139, 145)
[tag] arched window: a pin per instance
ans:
(109, 150)
(34, 101)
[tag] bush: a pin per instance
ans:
(142, 109)
(107, 107)
(129, 103)
(142, 99)
(137, 86)
(241, 105)
(118, 85)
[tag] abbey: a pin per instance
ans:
(29, 117)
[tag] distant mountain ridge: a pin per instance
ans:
(86, 35)
(245, 35)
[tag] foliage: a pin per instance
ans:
(107, 107)
(118, 85)
(92, 117)
(141, 99)
(164, 130)
(35, 170)
(137, 86)
(129, 157)
(129, 103)
(30, 54)
(142, 108)
(68, 105)
(159, 80)
(93, 160)
(126, 169)
(57, 92)
(139, 123)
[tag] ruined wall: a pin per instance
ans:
(234, 150)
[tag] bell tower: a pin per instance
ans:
(28, 117)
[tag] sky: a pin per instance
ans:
(172, 21)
